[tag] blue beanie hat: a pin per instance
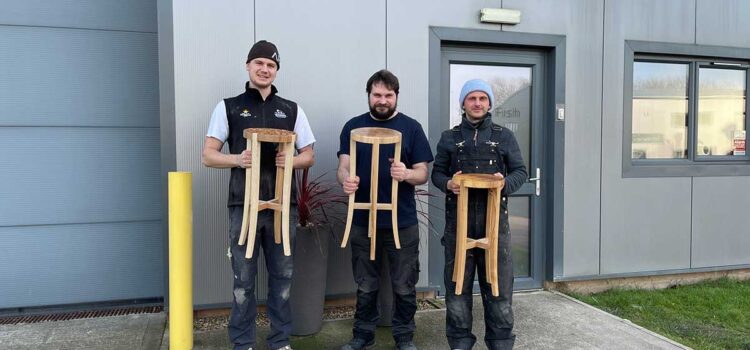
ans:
(476, 85)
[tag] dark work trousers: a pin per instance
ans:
(498, 314)
(404, 269)
(244, 309)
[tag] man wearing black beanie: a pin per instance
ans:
(258, 107)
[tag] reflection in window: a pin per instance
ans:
(721, 111)
(518, 218)
(660, 107)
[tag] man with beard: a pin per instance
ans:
(478, 146)
(382, 91)
(258, 107)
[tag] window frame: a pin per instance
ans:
(695, 56)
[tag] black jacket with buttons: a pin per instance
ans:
(510, 159)
(470, 148)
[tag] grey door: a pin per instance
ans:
(516, 76)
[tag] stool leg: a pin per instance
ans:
(278, 197)
(246, 203)
(460, 225)
(488, 262)
(374, 198)
(288, 165)
(254, 193)
(459, 266)
(493, 220)
(394, 198)
(352, 175)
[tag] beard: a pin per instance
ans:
(384, 115)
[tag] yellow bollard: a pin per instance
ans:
(180, 261)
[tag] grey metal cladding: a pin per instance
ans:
(71, 77)
(211, 42)
(407, 57)
(582, 24)
(645, 221)
(720, 221)
(130, 15)
(722, 23)
(62, 264)
(79, 175)
(326, 59)
(79, 139)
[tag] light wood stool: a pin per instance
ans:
(492, 224)
(280, 203)
(375, 137)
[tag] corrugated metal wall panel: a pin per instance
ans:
(131, 15)
(327, 57)
(80, 219)
(722, 22)
(211, 41)
(645, 221)
(582, 24)
(78, 175)
(720, 221)
(328, 54)
(408, 25)
(72, 77)
(82, 263)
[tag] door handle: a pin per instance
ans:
(538, 180)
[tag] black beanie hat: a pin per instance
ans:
(264, 49)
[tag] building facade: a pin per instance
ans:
(632, 115)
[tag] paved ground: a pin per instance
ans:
(544, 320)
(134, 332)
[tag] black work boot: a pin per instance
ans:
(358, 344)
(407, 345)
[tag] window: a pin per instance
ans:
(685, 110)
(660, 110)
(721, 111)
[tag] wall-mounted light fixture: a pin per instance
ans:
(501, 16)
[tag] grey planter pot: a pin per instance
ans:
(309, 279)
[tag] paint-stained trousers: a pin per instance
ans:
(498, 314)
(244, 308)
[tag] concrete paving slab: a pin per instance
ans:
(140, 331)
(544, 320)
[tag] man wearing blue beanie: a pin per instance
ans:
(478, 145)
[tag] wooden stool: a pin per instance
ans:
(375, 137)
(489, 242)
(280, 203)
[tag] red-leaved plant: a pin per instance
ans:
(316, 199)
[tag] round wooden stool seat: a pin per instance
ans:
(478, 181)
(376, 135)
(270, 135)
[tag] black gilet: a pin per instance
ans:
(249, 110)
